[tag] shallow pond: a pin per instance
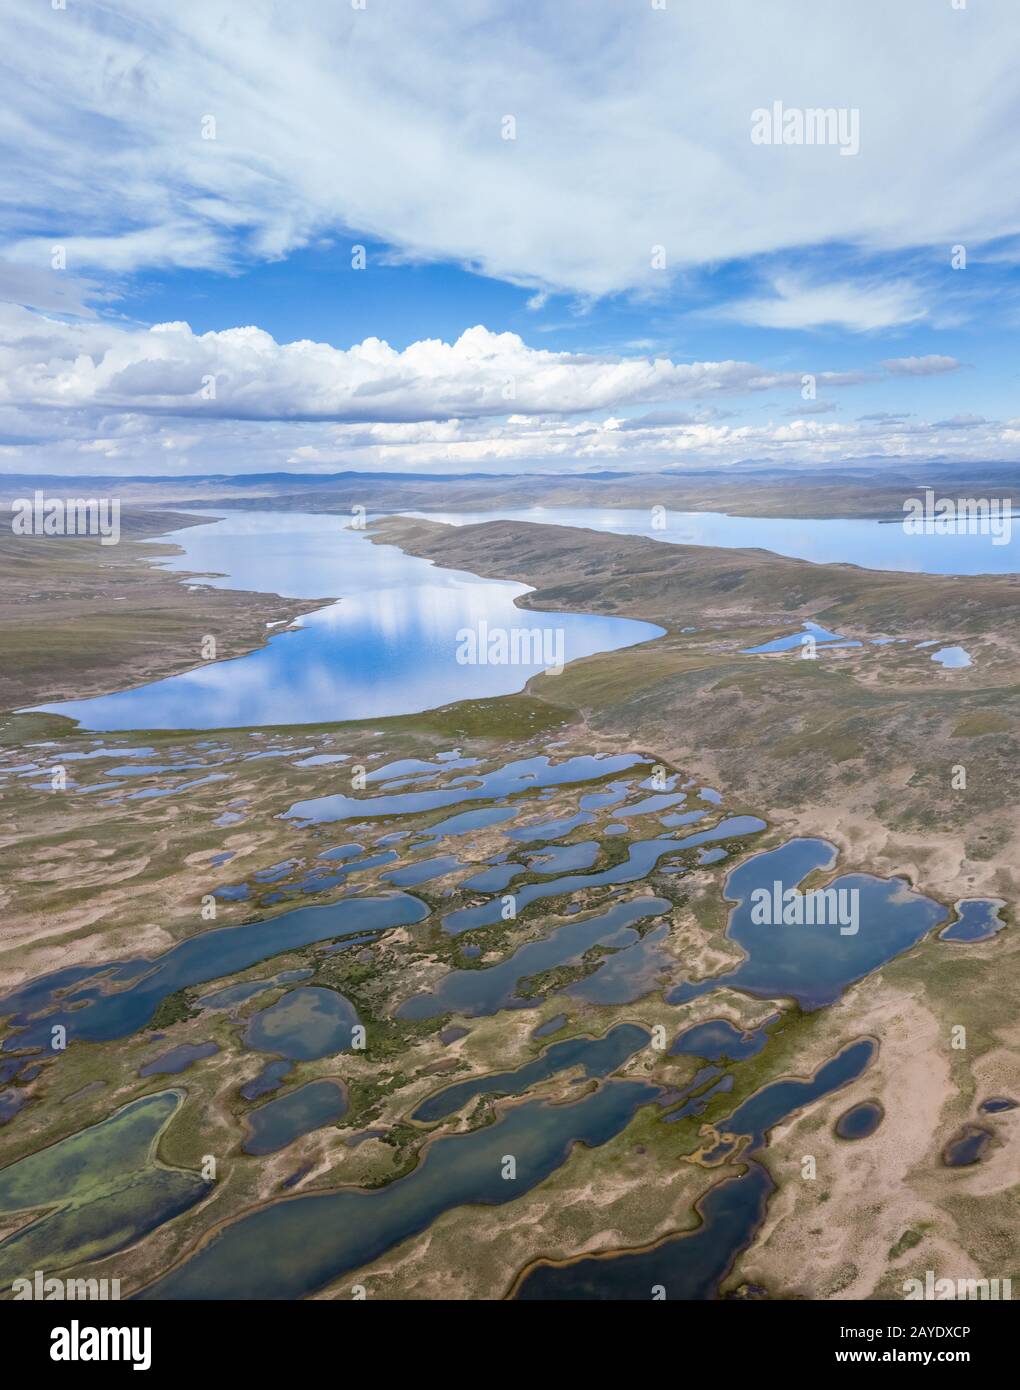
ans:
(522, 775)
(977, 919)
(595, 1057)
(303, 1025)
(178, 1059)
(102, 1187)
(642, 856)
(814, 963)
(142, 985)
(691, 1266)
(293, 1247)
(717, 1040)
(494, 987)
(860, 1121)
(966, 1147)
(280, 1121)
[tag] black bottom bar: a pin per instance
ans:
(179, 1339)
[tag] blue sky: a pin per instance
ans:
(630, 280)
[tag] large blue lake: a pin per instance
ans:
(390, 645)
(876, 545)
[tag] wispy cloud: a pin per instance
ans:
(207, 133)
(934, 364)
(859, 307)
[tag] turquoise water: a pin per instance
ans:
(388, 646)
(95, 1192)
(870, 544)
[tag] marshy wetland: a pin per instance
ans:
(461, 994)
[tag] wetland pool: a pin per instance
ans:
(693, 1264)
(291, 1248)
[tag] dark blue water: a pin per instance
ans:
(995, 1104)
(551, 1025)
(269, 1079)
(491, 880)
(551, 829)
(595, 1057)
(642, 857)
(631, 972)
(402, 616)
(717, 1040)
(814, 964)
(467, 821)
(11, 1101)
(280, 1121)
(448, 1036)
(967, 1147)
(562, 859)
(860, 1121)
(178, 1059)
(232, 995)
(423, 871)
(343, 852)
(683, 1267)
(692, 1266)
(303, 1025)
(695, 1097)
(780, 1099)
(491, 988)
(37, 1006)
(977, 919)
(295, 1246)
